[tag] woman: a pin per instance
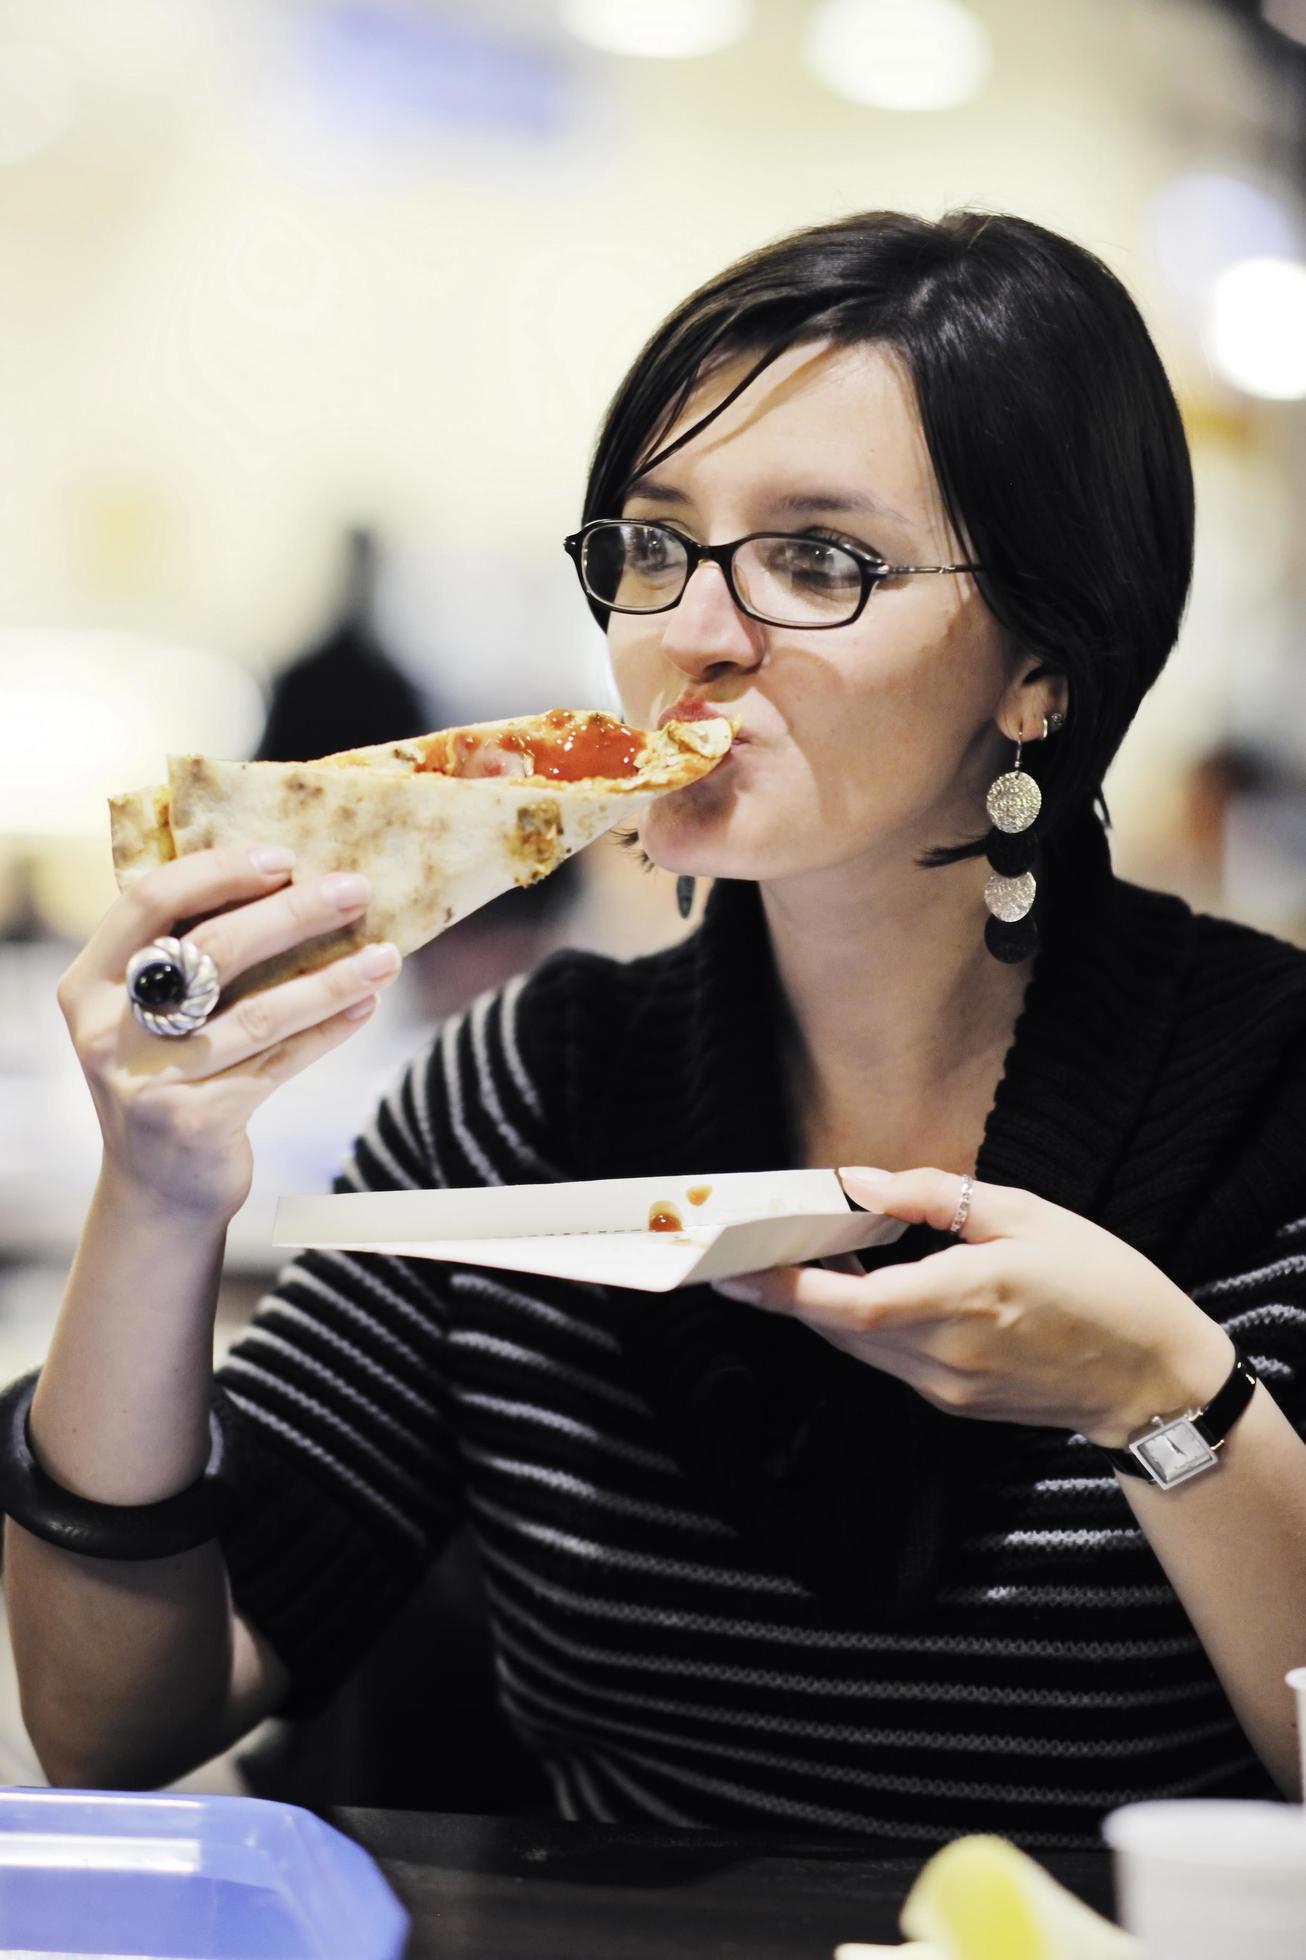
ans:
(860, 1549)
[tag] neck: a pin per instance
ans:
(899, 1016)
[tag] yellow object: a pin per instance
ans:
(982, 1899)
(914, 1950)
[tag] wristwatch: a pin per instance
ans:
(1174, 1448)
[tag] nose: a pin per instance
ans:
(707, 630)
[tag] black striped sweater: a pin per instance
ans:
(657, 1644)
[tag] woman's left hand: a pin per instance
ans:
(1035, 1315)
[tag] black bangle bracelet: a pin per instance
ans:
(114, 1531)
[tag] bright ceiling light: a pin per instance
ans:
(899, 54)
(1289, 16)
(1204, 222)
(664, 29)
(1258, 328)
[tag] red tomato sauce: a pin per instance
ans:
(571, 748)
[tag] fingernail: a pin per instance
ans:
(344, 888)
(272, 857)
(378, 962)
(737, 1289)
(865, 1185)
(361, 1008)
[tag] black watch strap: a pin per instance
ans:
(1175, 1448)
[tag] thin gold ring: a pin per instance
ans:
(962, 1212)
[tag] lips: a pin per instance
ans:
(693, 707)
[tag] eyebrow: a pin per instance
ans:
(793, 503)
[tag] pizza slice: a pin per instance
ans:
(440, 824)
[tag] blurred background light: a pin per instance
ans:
(94, 714)
(36, 99)
(666, 29)
(386, 70)
(1289, 16)
(899, 54)
(1205, 221)
(1257, 334)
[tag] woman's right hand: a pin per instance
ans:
(174, 1112)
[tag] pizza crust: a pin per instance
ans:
(435, 847)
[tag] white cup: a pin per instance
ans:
(1297, 1682)
(1207, 1878)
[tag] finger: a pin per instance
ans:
(284, 1059)
(927, 1379)
(186, 888)
(919, 1347)
(913, 1349)
(932, 1197)
(230, 1099)
(895, 1300)
(240, 939)
(259, 1021)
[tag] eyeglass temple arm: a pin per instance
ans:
(929, 568)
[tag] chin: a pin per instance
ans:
(703, 843)
(686, 831)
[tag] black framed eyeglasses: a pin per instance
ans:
(782, 578)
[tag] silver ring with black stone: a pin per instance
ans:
(173, 987)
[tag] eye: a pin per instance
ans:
(856, 547)
(651, 549)
(814, 562)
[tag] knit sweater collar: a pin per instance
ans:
(1093, 993)
(1092, 1035)
(1150, 1047)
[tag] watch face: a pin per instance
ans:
(1173, 1452)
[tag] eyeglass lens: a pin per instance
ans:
(790, 581)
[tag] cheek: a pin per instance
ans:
(631, 657)
(893, 679)
(891, 718)
(933, 660)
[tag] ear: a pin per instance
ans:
(1034, 690)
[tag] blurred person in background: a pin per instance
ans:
(346, 691)
(992, 1529)
(1230, 834)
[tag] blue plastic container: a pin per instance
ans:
(186, 1878)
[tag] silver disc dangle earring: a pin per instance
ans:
(1013, 803)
